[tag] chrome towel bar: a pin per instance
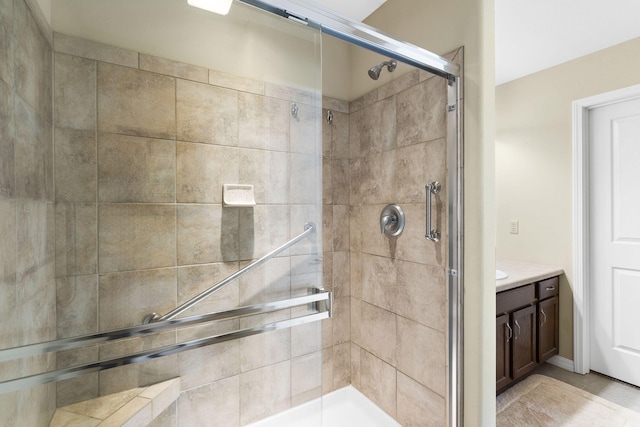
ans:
(320, 301)
(139, 331)
(309, 228)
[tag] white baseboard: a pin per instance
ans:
(562, 362)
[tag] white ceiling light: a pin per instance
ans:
(216, 6)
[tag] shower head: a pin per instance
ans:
(374, 72)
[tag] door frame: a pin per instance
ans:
(581, 241)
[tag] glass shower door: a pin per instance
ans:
(157, 106)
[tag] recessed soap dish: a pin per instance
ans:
(238, 195)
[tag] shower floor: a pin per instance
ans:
(346, 407)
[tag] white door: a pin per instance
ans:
(614, 228)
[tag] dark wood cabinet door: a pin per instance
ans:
(525, 353)
(548, 339)
(503, 352)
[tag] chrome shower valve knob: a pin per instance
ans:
(392, 220)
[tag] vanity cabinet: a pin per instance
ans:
(548, 318)
(526, 329)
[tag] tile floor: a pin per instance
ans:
(608, 388)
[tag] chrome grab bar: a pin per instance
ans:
(433, 188)
(321, 301)
(309, 228)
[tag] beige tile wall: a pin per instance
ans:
(336, 372)
(27, 212)
(143, 146)
(398, 285)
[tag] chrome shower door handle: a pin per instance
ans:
(433, 188)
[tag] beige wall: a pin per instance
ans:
(534, 160)
(442, 27)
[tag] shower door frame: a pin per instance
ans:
(362, 35)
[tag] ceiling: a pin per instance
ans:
(534, 35)
(355, 10)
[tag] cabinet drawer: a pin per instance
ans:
(515, 298)
(547, 288)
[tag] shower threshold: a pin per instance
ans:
(345, 407)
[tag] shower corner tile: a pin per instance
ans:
(327, 333)
(340, 181)
(340, 146)
(327, 228)
(341, 365)
(336, 105)
(327, 185)
(306, 378)
(341, 281)
(378, 382)
(341, 227)
(355, 274)
(355, 365)
(327, 371)
(327, 271)
(342, 320)
(399, 84)
(364, 101)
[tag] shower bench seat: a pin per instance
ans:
(135, 407)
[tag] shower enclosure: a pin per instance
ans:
(157, 158)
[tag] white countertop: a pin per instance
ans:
(521, 273)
